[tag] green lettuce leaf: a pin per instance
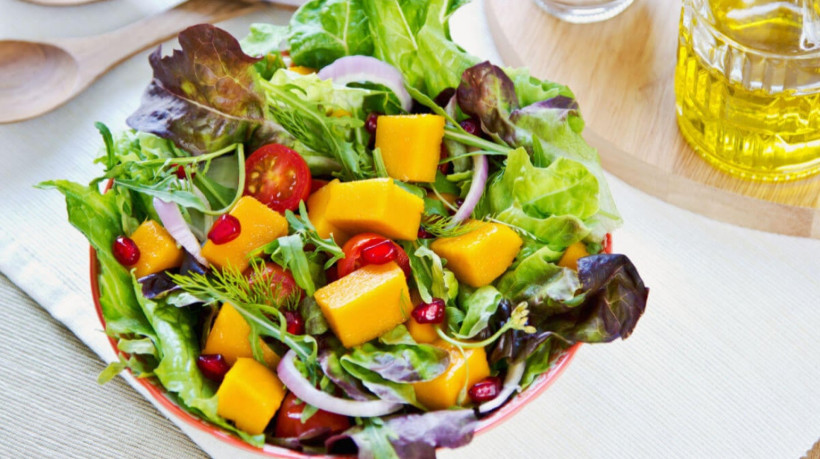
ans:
(480, 306)
(205, 96)
(322, 31)
(548, 128)
(98, 216)
(414, 37)
(400, 363)
(265, 40)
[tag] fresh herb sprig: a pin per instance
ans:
(257, 302)
(518, 321)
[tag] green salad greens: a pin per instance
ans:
(224, 122)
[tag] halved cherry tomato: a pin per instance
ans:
(321, 424)
(354, 259)
(278, 278)
(315, 184)
(278, 177)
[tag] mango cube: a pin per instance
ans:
(422, 333)
(410, 145)
(249, 395)
(376, 205)
(317, 213)
(158, 249)
(570, 257)
(366, 303)
(478, 257)
(464, 371)
(230, 336)
(259, 226)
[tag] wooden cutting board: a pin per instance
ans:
(622, 72)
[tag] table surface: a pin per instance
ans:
(723, 364)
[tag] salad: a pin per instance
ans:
(348, 234)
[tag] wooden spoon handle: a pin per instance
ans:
(97, 54)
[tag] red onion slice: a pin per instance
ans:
(514, 374)
(302, 388)
(360, 69)
(173, 221)
(480, 170)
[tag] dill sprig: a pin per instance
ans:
(258, 302)
(444, 226)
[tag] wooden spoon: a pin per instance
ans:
(37, 77)
(60, 2)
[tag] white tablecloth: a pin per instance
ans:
(723, 364)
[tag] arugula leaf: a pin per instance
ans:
(206, 96)
(322, 31)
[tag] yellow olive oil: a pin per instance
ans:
(747, 87)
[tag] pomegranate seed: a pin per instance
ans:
(444, 167)
(226, 228)
(213, 366)
(424, 234)
(370, 123)
(471, 126)
(429, 313)
(380, 253)
(125, 251)
(485, 390)
(295, 324)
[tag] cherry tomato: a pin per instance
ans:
(315, 184)
(278, 177)
(354, 259)
(289, 420)
(278, 277)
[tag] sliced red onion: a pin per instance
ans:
(514, 374)
(302, 388)
(480, 170)
(360, 69)
(173, 221)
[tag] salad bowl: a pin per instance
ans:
(158, 394)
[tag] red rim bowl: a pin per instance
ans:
(559, 364)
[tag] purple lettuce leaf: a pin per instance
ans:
(412, 436)
(488, 94)
(204, 97)
(614, 299)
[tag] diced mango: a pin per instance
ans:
(570, 258)
(302, 70)
(422, 333)
(158, 249)
(317, 213)
(366, 303)
(410, 145)
(249, 395)
(376, 205)
(477, 258)
(259, 226)
(230, 337)
(464, 371)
